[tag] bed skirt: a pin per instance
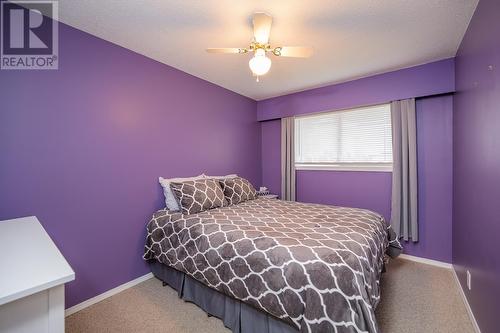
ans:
(236, 315)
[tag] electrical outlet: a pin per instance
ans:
(469, 280)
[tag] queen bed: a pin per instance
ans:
(267, 265)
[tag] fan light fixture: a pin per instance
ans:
(260, 64)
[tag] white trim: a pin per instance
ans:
(374, 167)
(466, 302)
(106, 294)
(426, 261)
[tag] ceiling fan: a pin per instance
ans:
(260, 64)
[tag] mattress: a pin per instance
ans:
(316, 267)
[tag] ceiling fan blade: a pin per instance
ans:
(293, 51)
(262, 27)
(227, 50)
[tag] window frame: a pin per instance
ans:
(346, 166)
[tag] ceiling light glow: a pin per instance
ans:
(260, 64)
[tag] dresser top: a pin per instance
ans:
(29, 260)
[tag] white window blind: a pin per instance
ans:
(355, 139)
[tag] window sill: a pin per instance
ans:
(346, 167)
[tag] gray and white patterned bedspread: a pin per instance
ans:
(314, 266)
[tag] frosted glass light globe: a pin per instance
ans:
(260, 64)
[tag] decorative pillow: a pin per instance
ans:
(195, 196)
(170, 199)
(237, 190)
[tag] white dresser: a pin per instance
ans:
(32, 277)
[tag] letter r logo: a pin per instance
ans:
(27, 28)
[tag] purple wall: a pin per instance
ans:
(419, 81)
(476, 165)
(372, 190)
(82, 148)
(435, 178)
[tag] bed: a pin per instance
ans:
(280, 266)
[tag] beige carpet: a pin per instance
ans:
(421, 298)
(415, 298)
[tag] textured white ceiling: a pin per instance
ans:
(351, 38)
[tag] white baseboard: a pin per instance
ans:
(104, 295)
(466, 302)
(426, 261)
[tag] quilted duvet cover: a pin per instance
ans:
(314, 266)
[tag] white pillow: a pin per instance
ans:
(170, 199)
(233, 175)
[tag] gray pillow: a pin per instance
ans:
(195, 196)
(237, 190)
(170, 199)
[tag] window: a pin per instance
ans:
(356, 139)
